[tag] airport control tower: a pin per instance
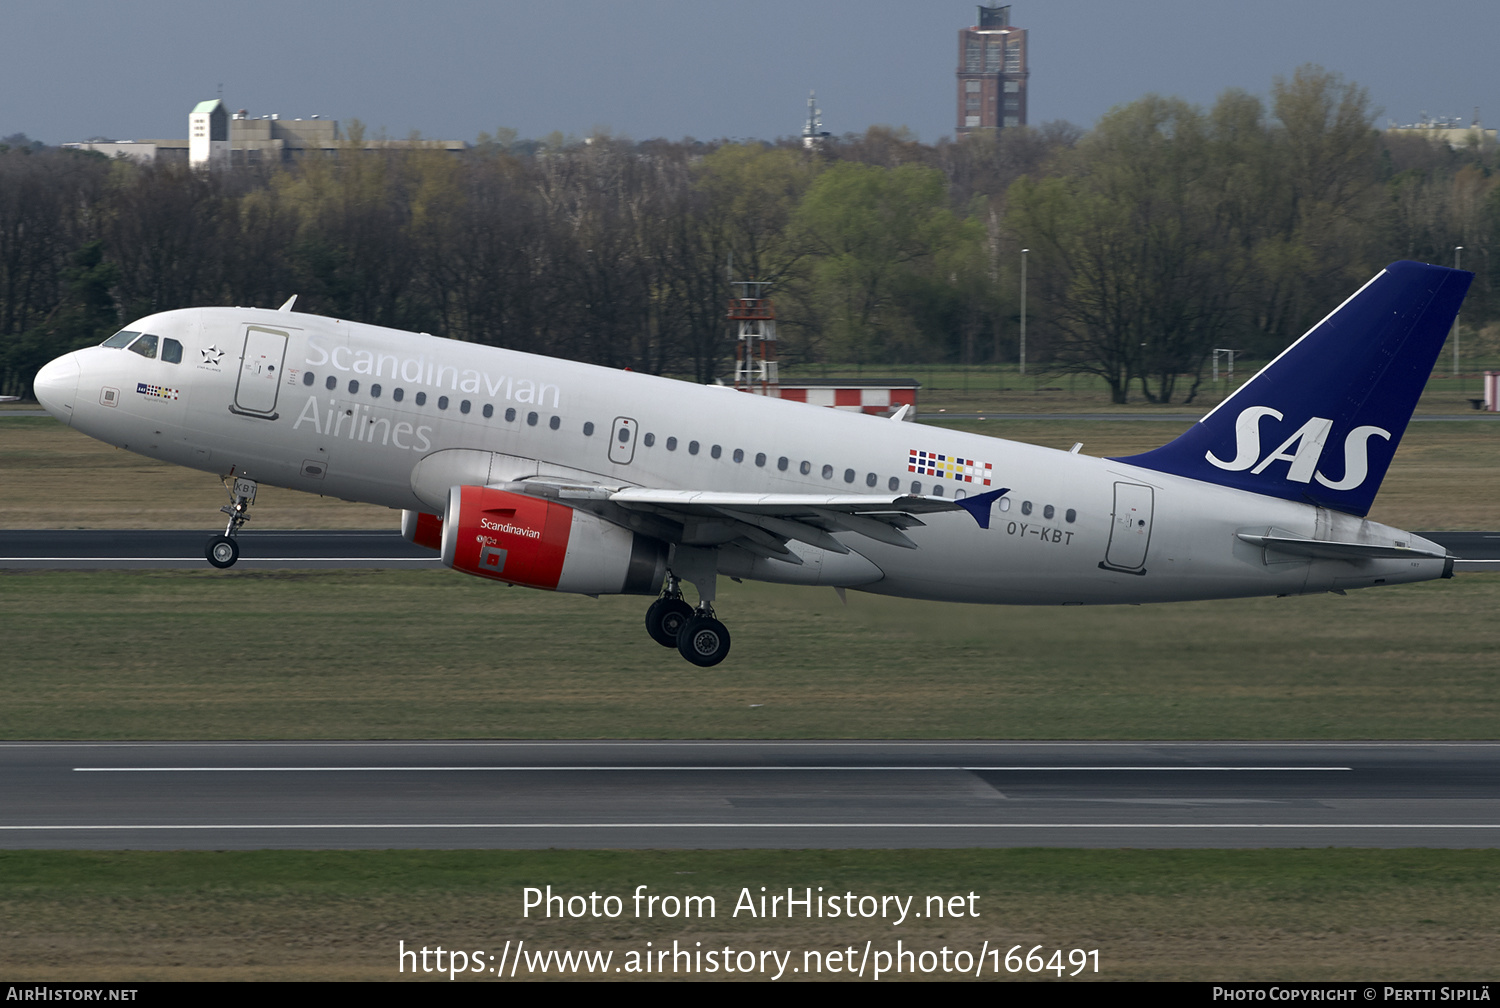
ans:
(992, 73)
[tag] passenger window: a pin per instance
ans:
(760, 458)
(937, 490)
(588, 429)
(442, 402)
(716, 451)
(421, 399)
(828, 472)
(353, 386)
(739, 454)
(782, 463)
(1026, 507)
(805, 468)
(1048, 511)
(331, 384)
(692, 447)
(121, 338)
(870, 479)
(555, 422)
(171, 351)
(398, 395)
(1004, 503)
(848, 475)
(375, 391)
(671, 444)
(916, 487)
(145, 346)
(531, 419)
(489, 410)
(463, 407)
(894, 484)
(649, 439)
(308, 378)
(1070, 516)
(624, 434)
(510, 415)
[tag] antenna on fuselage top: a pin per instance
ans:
(289, 302)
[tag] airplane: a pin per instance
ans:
(570, 477)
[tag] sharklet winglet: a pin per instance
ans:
(979, 505)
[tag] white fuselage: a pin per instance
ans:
(394, 418)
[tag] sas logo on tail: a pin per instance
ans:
(1303, 449)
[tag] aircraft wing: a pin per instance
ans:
(764, 522)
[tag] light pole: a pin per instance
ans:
(1457, 255)
(1023, 309)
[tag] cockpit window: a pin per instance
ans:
(145, 346)
(121, 338)
(171, 351)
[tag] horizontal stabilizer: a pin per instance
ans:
(1327, 549)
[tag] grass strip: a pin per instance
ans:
(1158, 915)
(434, 654)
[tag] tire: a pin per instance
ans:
(665, 618)
(703, 641)
(222, 551)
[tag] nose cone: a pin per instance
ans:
(56, 386)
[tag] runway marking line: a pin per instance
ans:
(527, 769)
(801, 825)
(761, 745)
(193, 559)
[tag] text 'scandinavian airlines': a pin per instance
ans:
(575, 478)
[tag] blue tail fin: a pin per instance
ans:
(1320, 423)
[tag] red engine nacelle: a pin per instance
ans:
(543, 544)
(426, 530)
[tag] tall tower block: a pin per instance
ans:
(208, 135)
(992, 73)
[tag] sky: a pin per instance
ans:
(710, 69)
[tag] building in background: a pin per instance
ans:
(992, 73)
(1448, 130)
(217, 137)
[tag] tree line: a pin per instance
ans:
(1164, 232)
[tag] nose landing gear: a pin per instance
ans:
(223, 550)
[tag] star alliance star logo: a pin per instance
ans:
(212, 355)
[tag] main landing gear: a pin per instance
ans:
(696, 634)
(223, 550)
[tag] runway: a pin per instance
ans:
(243, 795)
(145, 549)
(138, 549)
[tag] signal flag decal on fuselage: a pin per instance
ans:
(155, 391)
(925, 463)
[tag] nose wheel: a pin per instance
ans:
(223, 550)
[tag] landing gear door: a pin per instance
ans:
(1130, 531)
(622, 441)
(260, 372)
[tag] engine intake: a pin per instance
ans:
(543, 544)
